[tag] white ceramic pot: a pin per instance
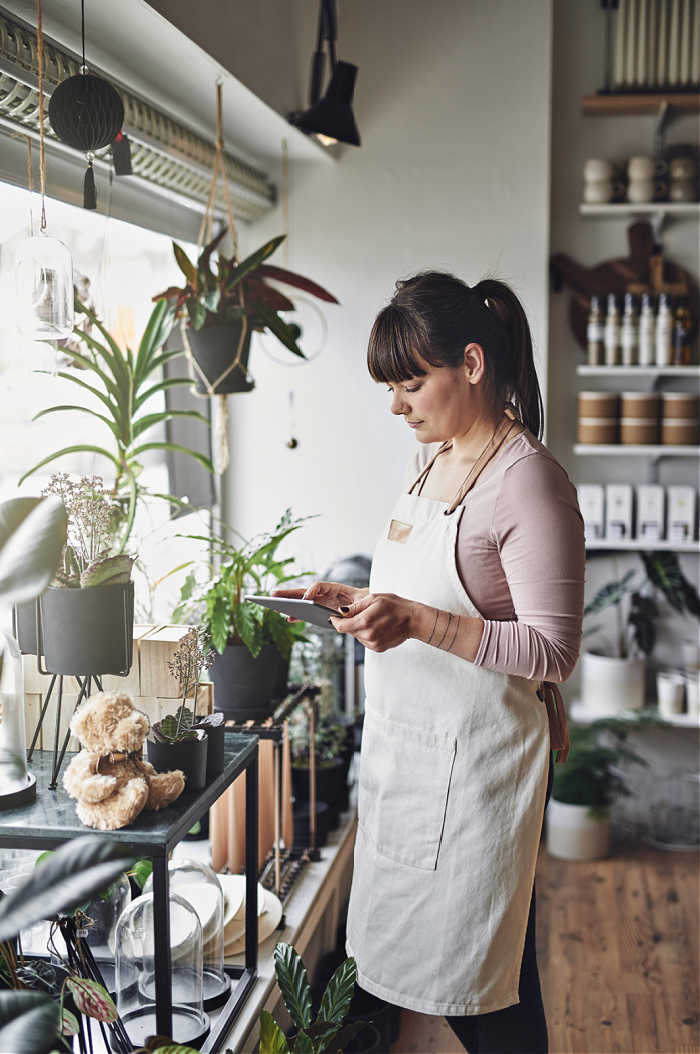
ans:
(609, 686)
(573, 832)
(595, 170)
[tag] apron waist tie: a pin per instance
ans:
(556, 714)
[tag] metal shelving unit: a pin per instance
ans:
(638, 371)
(636, 450)
(637, 545)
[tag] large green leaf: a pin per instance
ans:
(284, 333)
(109, 384)
(149, 420)
(32, 537)
(157, 331)
(112, 407)
(252, 261)
(83, 410)
(303, 1044)
(272, 1038)
(248, 622)
(294, 984)
(185, 264)
(28, 1023)
(202, 458)
(664, 572)
(339, 992)
(219, 618)
(612, 593)
(69, 877)
(81, 448)
(169, 382)
(111, 356)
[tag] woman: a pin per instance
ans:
(475, 598)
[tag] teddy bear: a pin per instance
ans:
(108, 778)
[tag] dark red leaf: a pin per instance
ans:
(281, 274)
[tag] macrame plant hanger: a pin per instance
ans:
(220, 424)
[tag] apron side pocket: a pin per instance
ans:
(405, 776)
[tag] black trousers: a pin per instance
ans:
(519, 1029)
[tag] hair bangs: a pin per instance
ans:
(394, 347)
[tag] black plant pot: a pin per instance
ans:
(87, 631)
(213, 349)
(329, 785)
(245, 688)
(24, 626)
(215, 749)
(190, 755)
(302, 832)
(368, 1039)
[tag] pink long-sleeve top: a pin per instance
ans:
(521, 558)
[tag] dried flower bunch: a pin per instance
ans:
(94, 519)
(192, 656)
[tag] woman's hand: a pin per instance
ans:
(378, 620)
(330, 594)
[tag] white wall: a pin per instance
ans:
(452, 103)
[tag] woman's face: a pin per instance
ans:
(440, 405)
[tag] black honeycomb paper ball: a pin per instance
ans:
(86, 112)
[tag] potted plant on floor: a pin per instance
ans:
(222, 309)
(578, 813)
(177, 741)
(253, 643)
(613, 675)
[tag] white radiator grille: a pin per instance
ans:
(164, 153)
(656, 45)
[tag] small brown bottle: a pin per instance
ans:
(682, 351)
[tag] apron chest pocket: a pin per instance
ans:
(405, 775)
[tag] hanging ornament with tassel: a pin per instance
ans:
(87, 113)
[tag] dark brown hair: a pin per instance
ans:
(435, 315)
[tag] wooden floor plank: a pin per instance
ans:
(617, 947)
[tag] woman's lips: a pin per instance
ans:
(414, 424)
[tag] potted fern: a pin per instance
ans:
(583, 791)
(222, 308)
(253, 644)
(613, 674)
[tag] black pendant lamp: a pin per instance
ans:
(87, 113)
(329, 117)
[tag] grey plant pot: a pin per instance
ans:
(246, 688)
(213, 348)
(24, 626)
(87, 631)
(190, 756)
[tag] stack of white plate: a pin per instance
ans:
(269, 914)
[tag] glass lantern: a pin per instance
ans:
(17, 786)
(198, 884)
(44, 286)
(135, 971)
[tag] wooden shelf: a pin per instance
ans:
(616, 103)
(582, 715)
(634, 450)
(638, 371)
(640, 545)
(645, 208)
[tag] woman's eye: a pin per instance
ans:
(411, 390)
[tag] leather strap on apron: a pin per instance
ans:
(548, 691)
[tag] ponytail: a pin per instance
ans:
(435, 315)
(517, 379)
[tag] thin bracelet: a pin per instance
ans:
(449, 620)
(437, 613)
(459, 619)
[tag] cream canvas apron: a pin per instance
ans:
(452, 785)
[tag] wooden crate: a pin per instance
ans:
(156, 649)
(131, 684)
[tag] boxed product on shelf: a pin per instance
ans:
(618, 510)
(650, 511)
(681, 513)
(592, 505)
(679, 431)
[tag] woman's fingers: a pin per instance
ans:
(291, 594)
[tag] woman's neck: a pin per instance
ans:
(469, 444)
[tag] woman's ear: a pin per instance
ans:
(474, 363)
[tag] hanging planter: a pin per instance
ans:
(217, 366)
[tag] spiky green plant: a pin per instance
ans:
(124, 382)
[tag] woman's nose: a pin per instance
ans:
(398, 405)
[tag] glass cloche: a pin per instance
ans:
(135, 971)
(102, 914)
(198, 884)
(17, 786)
(44, 288)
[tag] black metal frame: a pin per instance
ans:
(154, 835)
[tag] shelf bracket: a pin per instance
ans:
(658, 221)
(661, 119)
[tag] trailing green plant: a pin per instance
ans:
(330, 737)
(124, 382)
(93, 526)
(326, 1032)
(238, 290)
(638, 623)
(251, 567)
(591, 775)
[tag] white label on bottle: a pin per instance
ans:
(595, 331)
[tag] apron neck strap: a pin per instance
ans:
(445, 446)
(507, 428)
